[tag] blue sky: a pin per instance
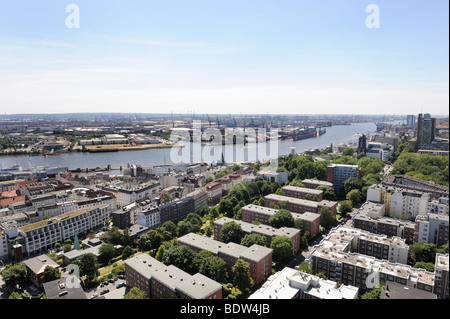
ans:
(224, 56)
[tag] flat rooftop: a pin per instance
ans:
(259, 229)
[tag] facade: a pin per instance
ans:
(426, 127)
(149, 217)
(301, 192)
(259, 258)
(371, 217)
(441, 287)
(168, 282)
(339, 173)
(214, 191)
(176, 210)
(43, 235)
(432, 228)
(411, 121)
(129, 194)
(382, 151)
(261, 214)
(409, 203)
(200, 197)
(293, 284)
(411, 183)
(313, 183)
(300, 206)
(271, 176)
(264, 230)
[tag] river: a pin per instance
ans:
(146, 158)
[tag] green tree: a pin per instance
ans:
(50, 274)
(327, 218)
(374, 294)
(282, 218)
(135, 293)
(200, 257)
(328, 192)
(241, 275)
(312, 197)
(231, 232)
(215, 268)
(127, 252)
(14, 274)
(252, 239)
(353, 183)
(345, 207)
(89, 266)
(304, 267)
(283, 250)
(422, 252)
(425, 265)
(354, 196)
(106, 253)
(181, 257)
(348, 152)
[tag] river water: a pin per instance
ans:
(146, 158)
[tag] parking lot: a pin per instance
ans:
(108, 289)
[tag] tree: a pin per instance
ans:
(215, 268)
(241, 275)
(252, 239)
(135, 293)
(312, 197)
(298, 223)
(200, 257)
(304, 267)
(327, 218)
(185, 227)
(144, 243)
(165, 246)
(88, 266)
(374, 294)
(283, 218)
(328, 192)
(425, 265)
(226, 207)
(156, 238)
(283, 250)
(181, 257)
(304, 240)
(106, 253)
(422, 252)
(50, 274)
(348, 152)
(345, 207)
(354, 196)
(353, 183)
(231, 232)
(127, 252)
(14, 274)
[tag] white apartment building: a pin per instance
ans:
(43, 235)
(410, 203)
(383, 151)
(149, 217)
(432, 228)
(127, 194)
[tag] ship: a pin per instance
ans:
(12, 168)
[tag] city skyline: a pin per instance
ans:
(287, 57)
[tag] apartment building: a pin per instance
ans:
(413, 183)
(402, 202)
(441, 286)
(259, 258)
(149, 217)
(176, 210)
(359, 270)
(129, 193)
(300, 206)
(349, 239)
(200, 197)
(264, 230)
(301, 192)
(432, 228)
(168, 282)
(271, 176)
(314, 183)
(310, 221)
(214, 191)
(337, 174)
(43, 235)
(293, 284)
(36, 267)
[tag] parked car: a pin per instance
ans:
(120, 284)
(94, 296)
(104, 292)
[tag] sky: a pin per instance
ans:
(224, 56)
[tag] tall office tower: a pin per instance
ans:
(362, 144)
(425, 131)
(410, 120)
